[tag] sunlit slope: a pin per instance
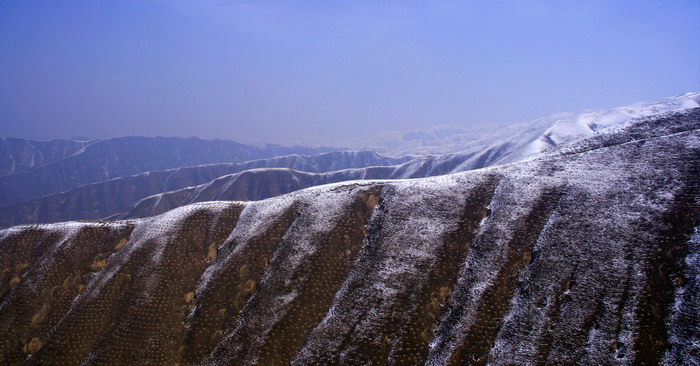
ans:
(583, 255)
(516, 140)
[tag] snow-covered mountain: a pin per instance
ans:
(522, 139)
(583, 254)
(263, 183)
(159, 191)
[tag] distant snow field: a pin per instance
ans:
(529, 137)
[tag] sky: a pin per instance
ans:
(313, 72)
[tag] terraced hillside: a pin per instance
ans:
(588, 254)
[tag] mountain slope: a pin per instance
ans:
(104, 159)
(253, 184)
(20, 155)
(477, 149)
(256, 184)
(516, 140)
(101, 199)
(264, 183)
(582, 255)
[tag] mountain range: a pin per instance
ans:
(584, 253)
(111, 197)
(523, 138)
(105, 159)
(136, 176)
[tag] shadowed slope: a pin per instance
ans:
(105, 159)
(102, 199)
(20, 155)
(585, 255)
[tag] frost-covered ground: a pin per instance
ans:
(584, 254)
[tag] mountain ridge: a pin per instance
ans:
(106, 198)
(20, 155)
(127, 197)
(103, 159)
(238, 186)
(524, 136)
(585, 254)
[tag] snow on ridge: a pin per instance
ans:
(509, 145)
(598, 198)
(571, 146)
(527, 137)
(585, 123)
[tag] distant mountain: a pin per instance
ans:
(258, 184)
(105, 198)
(58, 191)
(153, 193)
(20, 155)
(517, 140)
(583, 254)
(253, 184)
(105, 159)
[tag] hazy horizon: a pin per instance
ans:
(312, 72)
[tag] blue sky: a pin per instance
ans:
(314, 71)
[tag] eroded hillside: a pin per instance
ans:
(584, 255)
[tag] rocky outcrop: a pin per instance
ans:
(584, 255)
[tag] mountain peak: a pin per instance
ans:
(524, 136)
